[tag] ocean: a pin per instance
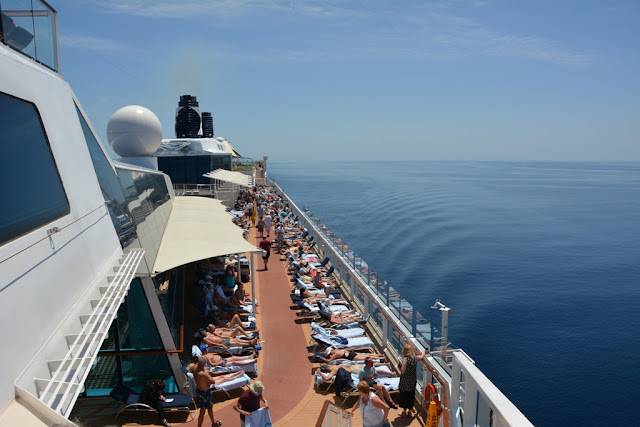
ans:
(539, 262)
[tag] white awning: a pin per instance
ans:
(198, 228)
(229, 176)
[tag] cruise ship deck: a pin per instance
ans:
(284, 366)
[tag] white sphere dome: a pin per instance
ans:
(134, 131)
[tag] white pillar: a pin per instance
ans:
(253, 285)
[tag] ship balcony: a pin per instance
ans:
(30, 27)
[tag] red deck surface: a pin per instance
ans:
(285, 368)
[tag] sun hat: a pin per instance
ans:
(257, 388)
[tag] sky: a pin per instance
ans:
(371, 80)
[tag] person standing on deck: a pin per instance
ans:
(249, 401)
(260, 227)
(265, 245)
(375, 413)
(279, 237)
(267, 223)
(203, 392)
(408, 378)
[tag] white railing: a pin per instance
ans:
(61, 390)
(194, 189)
(476, 401)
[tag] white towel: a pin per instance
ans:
(258, 418)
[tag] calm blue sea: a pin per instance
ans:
(540, 263)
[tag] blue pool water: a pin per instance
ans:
(540, 263)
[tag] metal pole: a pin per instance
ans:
(253, 285)
(239, 269)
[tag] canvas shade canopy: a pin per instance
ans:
(198, 228)
(229, 176)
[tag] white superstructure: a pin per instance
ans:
(79, 238)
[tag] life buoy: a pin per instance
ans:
(431, 394)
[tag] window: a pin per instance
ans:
(32, 189)
(110, 186)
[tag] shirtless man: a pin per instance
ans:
(216, 341)
(203, 392)
(230, 332)
(214, 360)
(227, 319)
(334, 354)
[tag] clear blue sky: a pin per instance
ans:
(370, 80)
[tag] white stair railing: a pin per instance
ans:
(68, 375)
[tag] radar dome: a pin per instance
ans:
(134, 131)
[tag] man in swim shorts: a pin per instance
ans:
(214, 340)
(203, 392)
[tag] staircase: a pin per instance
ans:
(66, 375)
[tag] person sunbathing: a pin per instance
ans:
(242, 295)
(340, 318)
(348, 354)
(215, 360)
(322, 293)
(370, 375)
(327, 372)
(229, 320)
(229, 332)
(345, 320)
(213, 340)
(325, 301)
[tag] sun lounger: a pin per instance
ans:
(225, 386)
(129, 398)
(344, 333)
(386, 378)
(318, 265)
(342, 342)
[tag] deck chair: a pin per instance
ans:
(340, 342)
(329, 272)
(324, 317)
(344, 333)
(307, 311)
(321, 264)
(129, 398)
(239, 382)
(385, 375)
(251, 369)
(390, 383)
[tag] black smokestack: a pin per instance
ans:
(188, 117)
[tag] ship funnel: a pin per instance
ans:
(207, 125)
(188, 118)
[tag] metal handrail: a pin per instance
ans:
(82, 344)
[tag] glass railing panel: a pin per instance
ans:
(396, 339)
(29, 27)
(423, 330)
(357, 262)
(359, 296)
(393, 296)
(406, 313)
(375, 320)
